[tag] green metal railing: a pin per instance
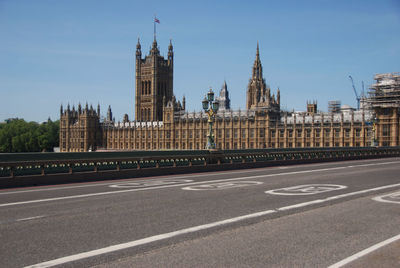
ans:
(28, 164)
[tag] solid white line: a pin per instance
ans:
(178, 185)
(159, 237)
(364, 252)
(31, 218)
(147, 240)
(191, 176)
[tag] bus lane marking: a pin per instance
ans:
(307, 189)
(388, 198)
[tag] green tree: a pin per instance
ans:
(17, 135)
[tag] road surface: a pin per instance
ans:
(341, 214)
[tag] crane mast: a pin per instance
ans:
(355, 92)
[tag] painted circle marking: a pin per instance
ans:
(308, 189)
(221, 185)
(389, 198)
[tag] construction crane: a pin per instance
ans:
(355, 92)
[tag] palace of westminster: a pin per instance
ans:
(162, 123)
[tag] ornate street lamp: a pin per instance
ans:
(374, 142)
(210, 106)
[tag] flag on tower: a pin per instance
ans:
(156, 20)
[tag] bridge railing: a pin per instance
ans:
(41, 164)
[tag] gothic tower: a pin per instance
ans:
(258, 92)
(154, 81)
(224, 101)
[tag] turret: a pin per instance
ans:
(278, 97)
(79, 108)
(154, 49)
(126, 118)
(61, 110)
(170, 53)
(184, 103)
(98, 109)
(224, 101)
(138, 50)
(109, 114)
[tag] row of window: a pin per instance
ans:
(227, 146)
(161, 88)
(251, 134)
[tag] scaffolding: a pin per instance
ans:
(385, 93)
(334, 106)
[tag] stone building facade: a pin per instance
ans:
(162, 123)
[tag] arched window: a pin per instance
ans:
(142, 87)
(149, 88)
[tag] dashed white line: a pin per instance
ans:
(159, 237)
(31, 218)
(364, 252)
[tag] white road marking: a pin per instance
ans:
(148, 240)
(5, 192)
(31, 218)
(389, 198)
(339, 196)
(307, 189)
(131, 180)
(159, 237)
(222, 185)
(365, 252)
(177, 185)
(148, 183)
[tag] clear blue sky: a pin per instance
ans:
(59, 52)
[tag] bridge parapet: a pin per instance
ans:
(42, 164)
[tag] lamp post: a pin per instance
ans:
(374, 142)
(210, 106)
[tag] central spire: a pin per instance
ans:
(257, 67)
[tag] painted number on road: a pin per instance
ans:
(222, 185)
(148, 183)
(308, 189)
(389, 198)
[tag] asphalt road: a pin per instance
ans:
(313, 215)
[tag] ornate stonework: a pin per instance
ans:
(161, 121)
